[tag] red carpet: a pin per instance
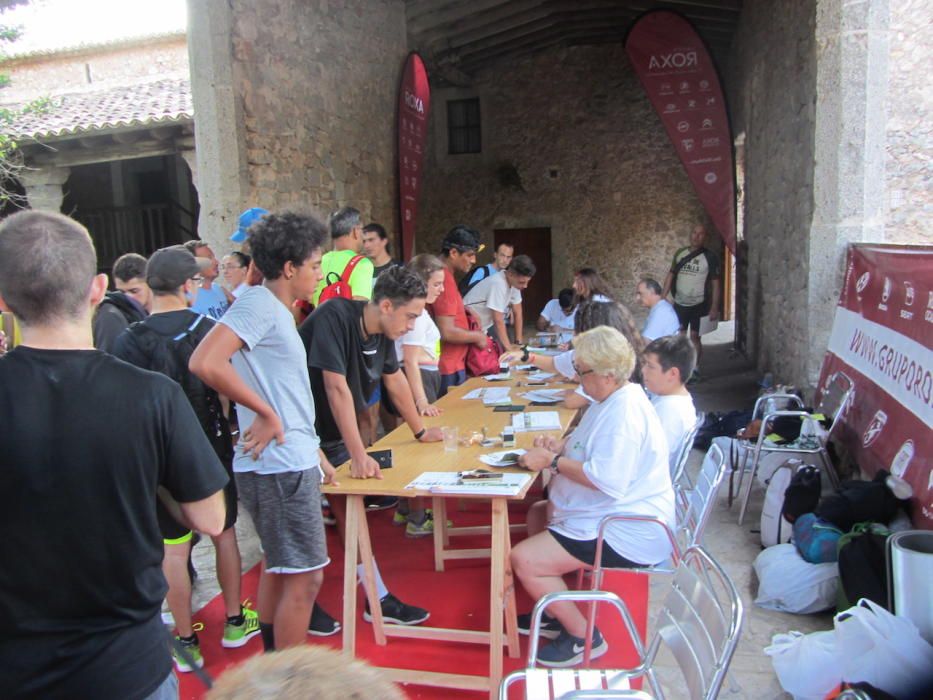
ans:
(458, 597)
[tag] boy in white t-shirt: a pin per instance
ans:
(666, 364)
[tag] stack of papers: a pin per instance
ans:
(540, 376)
(493, 396)
(503, 458)
(501, 377)
(449, 482)
(544, 395)
(538, 420)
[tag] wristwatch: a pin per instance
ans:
(420, 433)
(554, 468)
(525, 353)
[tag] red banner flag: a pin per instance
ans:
(680, 79)
(882, 339)
(414, 103)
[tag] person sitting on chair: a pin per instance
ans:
(614, 462)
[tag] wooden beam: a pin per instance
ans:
(480, 24)
(447, 13)
(45, 155)
(543, 41)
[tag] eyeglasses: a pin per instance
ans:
(197, 278)
(583, 373)
(231, 267)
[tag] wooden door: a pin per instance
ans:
(536, 244)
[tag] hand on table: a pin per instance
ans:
(428, 409)
(330, 474)
(364, 467)
(536, 459)
(432, 435)
(511, 356)
(549, 442)
(261, 432)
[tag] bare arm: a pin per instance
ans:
(450, 333)
(668, 281)
(539, 458)
(362, 466)
(518, 322)
(542, 324)
(714, 306)
(206, 515)
(411, 354)
(400, 393)
(211, 362)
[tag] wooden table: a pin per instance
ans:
(410, 459)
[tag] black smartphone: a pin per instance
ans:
(383, 457)
(508, 409)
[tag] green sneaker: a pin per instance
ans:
(399, 518)
(425, 527)
(193, 647)
(238, 635)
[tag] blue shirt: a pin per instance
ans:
(211, 302)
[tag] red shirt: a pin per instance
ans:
(450, 303)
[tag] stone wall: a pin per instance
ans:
(97, 68)
(570, 142)
(318, 82)
(909, 134)
(771, 91)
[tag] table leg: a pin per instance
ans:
(369, 574)
(440, 531)
(497, 583)
(350, 550)
(511, 608)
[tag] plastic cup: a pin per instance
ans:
(451, 438)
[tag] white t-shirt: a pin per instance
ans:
(678, 415)
(563, 363)
(492, 294)
(241, 287)
(555, 316)
(274, 364)
(662, 320)
(624, 453)
(425, 335)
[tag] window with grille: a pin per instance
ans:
(464, 134)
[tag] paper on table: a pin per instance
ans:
(540, 376)
(538, 420)
(544, 395)
(491, 396)
(494, 459)
(449, 482)
(501, 377)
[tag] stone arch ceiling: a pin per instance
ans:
(458, 37)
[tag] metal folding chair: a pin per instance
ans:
(679, 463)
(699, 623)
(834, 402)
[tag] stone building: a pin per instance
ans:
(830, 111)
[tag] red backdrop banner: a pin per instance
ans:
(682, 85)
(882, 338)
(414, 104)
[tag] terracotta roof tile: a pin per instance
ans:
(165, 101)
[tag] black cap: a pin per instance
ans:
(463, 238)
(169, 268)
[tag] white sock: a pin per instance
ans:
(381, 590)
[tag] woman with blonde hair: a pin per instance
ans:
(614, 462)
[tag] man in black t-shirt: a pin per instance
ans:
(351, 346)
(88, 442)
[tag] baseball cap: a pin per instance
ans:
(169, 268)
(463, 238)
(247, 219)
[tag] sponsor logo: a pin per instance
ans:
(684, 87)
(863, 282)
(691, 104)
(707, 124)
(415, 102)
(874, 428)
(710, 101)
(704, 85)
(683, 126)
(670, 108)
(885, 293)
(908, 294)
(666, 89)
(711, 142)
(687, 144)
(902, 459)
(676, 59)
(408, 215)
(710, 178)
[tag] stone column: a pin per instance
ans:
(220, 172)
(848, 176)
(43, 187)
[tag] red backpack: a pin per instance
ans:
(340, 288)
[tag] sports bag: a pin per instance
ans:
(340, 288)
(816, 540)
(774, 528)
(858, 501)
(483, 361)
(803, 493)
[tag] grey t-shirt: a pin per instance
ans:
(273, 363)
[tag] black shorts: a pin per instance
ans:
(585, 551)
(689, 316)
(173, 532)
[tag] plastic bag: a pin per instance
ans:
(883, 649)
(806, 664)
(788, 583)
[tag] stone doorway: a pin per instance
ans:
(536, 244)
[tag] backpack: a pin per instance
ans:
(858, 501)
(483, 361)
(816, 540)
(775, 529)
(169, 356)
(465, 285)
(803, 493)
(340, 288)
(720, 425)
(863, 565)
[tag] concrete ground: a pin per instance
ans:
(729, 382)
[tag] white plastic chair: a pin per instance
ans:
(699, 622)
(835, 401)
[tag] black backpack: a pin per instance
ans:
(169, 355)
(465, 285)
(863, 565)
(720, 425)
(803, 493)
(859, 501)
